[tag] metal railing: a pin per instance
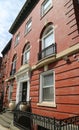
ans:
(50, 50)
(46, 123)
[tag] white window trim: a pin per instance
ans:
(46, 103)
(10, 90)
(42, 7)
(17, 38)
(26, 51)
(27, 28)
(52, 31)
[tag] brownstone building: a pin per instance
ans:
(43, 60)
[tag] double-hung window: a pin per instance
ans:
(13, 70)
(17, 39)
(28, 26)
(26, 54)
(48, 42)
(46, 5)
(47, 87)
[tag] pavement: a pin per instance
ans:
(3, 128)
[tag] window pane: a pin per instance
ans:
(27, 56)
(46, 5)
(48, 40)
(48, 94)
(48, 80)
(17, 39)
(28, 26)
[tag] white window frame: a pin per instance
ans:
(17, 38)
(24, 57)
(28, 26)
(43, 12)
(14, 63)
(47, 35)
(47, 103)
(47, 32)
(10, 90)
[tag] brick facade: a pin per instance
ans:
(65, 62)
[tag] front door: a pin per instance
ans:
(24, 91)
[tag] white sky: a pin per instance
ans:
(9, 9)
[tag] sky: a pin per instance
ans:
(9, 10)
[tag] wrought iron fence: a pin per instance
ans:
(25, 120)
(47, 51)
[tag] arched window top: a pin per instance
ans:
(47, 30)
(27, 46)
(47, 45)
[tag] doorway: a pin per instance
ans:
(24, 91)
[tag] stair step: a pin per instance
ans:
(8, 115)
(5, 119)
(12, 127)
(7, 125)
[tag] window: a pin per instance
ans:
(13, 70)
(17, 39)
(47, 43)
(10, 92)
(28, 26)
(26, 54)
(47, 92)
(47, 4)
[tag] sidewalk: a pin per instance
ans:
(3, 128)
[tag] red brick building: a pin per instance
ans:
(0, 75)
(43, 60)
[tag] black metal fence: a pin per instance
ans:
(25, 121)
(50, 50)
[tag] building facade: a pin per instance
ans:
(43, 59)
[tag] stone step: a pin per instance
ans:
(3, 123)
(12, 127)
(8, 115)
(5, 119)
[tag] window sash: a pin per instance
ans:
(14, 65)
(17, 39)
(47, 92)
(46, 6)
(28, 26)
(26, 56)
(48, 39)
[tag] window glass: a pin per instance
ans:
(46, 6)
(47, 86)
(26, 54)
(17, 39)
(48, 40)
(28, 26)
